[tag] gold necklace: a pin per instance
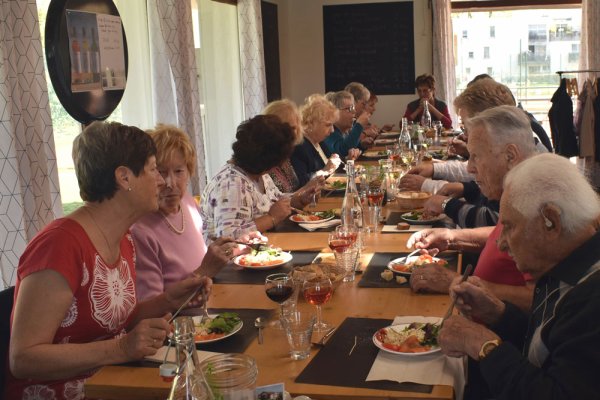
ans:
(108, 248)
(171, 227)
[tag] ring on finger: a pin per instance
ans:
(228, 252)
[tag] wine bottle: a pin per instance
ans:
(404, 138)
(95, 57)
(426, 116)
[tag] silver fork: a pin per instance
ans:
(204, 306)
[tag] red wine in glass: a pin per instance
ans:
(279, 294)
(339, 245)
(375, 197)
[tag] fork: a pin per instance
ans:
(204, 306)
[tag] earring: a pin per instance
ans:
(547, 221)
(129, 189)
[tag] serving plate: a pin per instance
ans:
(406, 218)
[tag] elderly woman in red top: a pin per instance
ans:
(425, 85)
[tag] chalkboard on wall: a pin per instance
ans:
(372, 44)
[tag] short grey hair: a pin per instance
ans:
(337, 98)
(549, 179)
(505, 125)
(359, 91)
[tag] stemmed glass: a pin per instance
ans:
(318, 291)
(408, 156)
(279, 287)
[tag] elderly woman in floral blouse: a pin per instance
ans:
(242, 197)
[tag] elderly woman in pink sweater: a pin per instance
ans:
(169, 243)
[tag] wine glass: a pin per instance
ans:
(279, 287)
(318, 291)
(408, 156)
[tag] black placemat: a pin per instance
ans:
(333, 366)
(236, 343)
(233, 274)
(290, 226)
(371, 277)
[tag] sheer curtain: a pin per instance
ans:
(252, 57)
(589, 58)
(29, 190)
(444, 66)
(175, 91)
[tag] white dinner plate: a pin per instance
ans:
(385, 141)
(398, 328)
(294, 218)
(401, 260)
(421, 221)
(373, 154)
(233, 332)
(285, 257)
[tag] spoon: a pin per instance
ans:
(259, 324)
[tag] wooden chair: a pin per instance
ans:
(6, 305)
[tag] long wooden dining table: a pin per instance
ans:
(274, 363)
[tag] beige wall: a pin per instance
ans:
(301, 52)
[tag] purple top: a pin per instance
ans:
(164, 257)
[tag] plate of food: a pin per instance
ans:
(269, 258)
(313, 217)
(385, 141)
(335, 184)
(421, 218)
(406, 266)
(375, 154)
(389, 133)
(415, 339)
(217, 327)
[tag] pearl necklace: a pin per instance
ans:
(171, 227)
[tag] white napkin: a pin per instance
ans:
(324, 224)
(160, 355)
(413, 228)
(433, 369)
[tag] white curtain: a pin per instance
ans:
(29, 190)
(252, 57)
(175, 91)
(589, 59)
(444, 66)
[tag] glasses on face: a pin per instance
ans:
(349, 108)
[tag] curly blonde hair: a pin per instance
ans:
(168, 140)
(287, 111)
(483, 94)
(317, 109)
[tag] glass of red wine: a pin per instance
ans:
(279, 287)
(318, 291)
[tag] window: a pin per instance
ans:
(535, 44)
(465, 34)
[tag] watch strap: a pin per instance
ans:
(488, 347)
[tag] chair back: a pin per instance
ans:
(6, 305)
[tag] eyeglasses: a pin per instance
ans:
(349, 108)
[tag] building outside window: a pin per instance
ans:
(535, 44)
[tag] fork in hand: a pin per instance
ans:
(204, 306)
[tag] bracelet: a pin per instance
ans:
(272, 220)
(445, 203)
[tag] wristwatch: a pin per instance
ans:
(488, 347)
(445, 203)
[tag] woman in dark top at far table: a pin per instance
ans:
(425, 85)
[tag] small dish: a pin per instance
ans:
(246, 261)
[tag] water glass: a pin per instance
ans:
(347, 260)
(371, 218)
(298, 330)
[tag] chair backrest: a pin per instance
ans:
(6, 305)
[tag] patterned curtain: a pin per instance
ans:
(29, 190)
(252, 57)
(444, 66)
(589, 59)
(175, 92)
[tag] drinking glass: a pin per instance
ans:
(408, 157)
(343, 243)
(318, 291)
(279, 287)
